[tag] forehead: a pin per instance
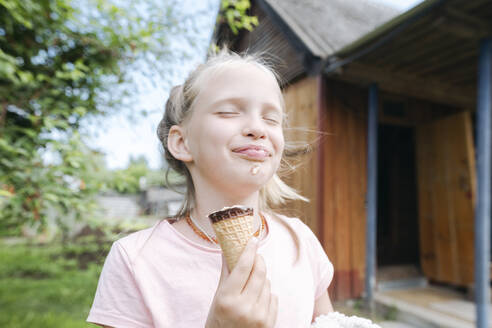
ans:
(247, 81)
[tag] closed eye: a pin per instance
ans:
(227, 113)
(272, 120)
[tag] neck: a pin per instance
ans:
(209, 199)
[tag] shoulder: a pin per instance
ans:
(134, 242)
(307, 238)
(137, 237)
(296, 224)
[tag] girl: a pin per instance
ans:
(223, 130)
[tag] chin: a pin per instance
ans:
(245, 184)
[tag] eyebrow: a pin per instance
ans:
(238, 100)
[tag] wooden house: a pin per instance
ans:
(393, 98)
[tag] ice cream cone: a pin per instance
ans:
(233, 227)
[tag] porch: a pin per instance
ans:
(429, 306)
(422, 55)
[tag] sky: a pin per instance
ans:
(120, 138)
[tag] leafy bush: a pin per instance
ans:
(137, 176)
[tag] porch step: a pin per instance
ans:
(400, 277)
(429, 307)
(402, 283)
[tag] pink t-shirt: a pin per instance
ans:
(159, 278)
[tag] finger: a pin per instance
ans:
(256, 281)
(224, 273)
(272, 316)
(262, 305)
(240, 274)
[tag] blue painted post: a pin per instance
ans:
(482, 212)
(372, 182)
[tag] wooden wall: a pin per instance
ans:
(302, 110)
(336, 212)
(447, 180)
(334, 175)
(270, 40)
(344, 185)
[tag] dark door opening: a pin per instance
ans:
(397, 219)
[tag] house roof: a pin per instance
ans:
(326, 27)
(429, 52)
(389, 29)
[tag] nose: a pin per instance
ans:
(254, 128)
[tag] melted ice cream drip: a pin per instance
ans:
(255, 169)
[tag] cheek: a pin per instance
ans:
(203, 130)
(279, 141)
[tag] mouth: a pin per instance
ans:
(253, 152)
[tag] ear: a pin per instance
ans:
(177, 145)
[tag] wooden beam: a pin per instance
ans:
(407, 85)
(478, 24)
(462, 25)
(459, 29)
(482, 212)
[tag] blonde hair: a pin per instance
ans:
(179, 108)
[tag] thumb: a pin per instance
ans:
(224, 273)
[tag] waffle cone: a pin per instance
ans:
(233, 234)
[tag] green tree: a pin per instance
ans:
(62, 62)
(136, 177)
(235, 13)
(128, 180)
(59, 64)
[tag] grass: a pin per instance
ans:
(49, 285)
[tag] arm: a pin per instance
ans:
(322, 305)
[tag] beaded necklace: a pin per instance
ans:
(201, 232)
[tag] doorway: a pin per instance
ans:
(397, 218)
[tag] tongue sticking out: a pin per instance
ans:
(258, 154)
